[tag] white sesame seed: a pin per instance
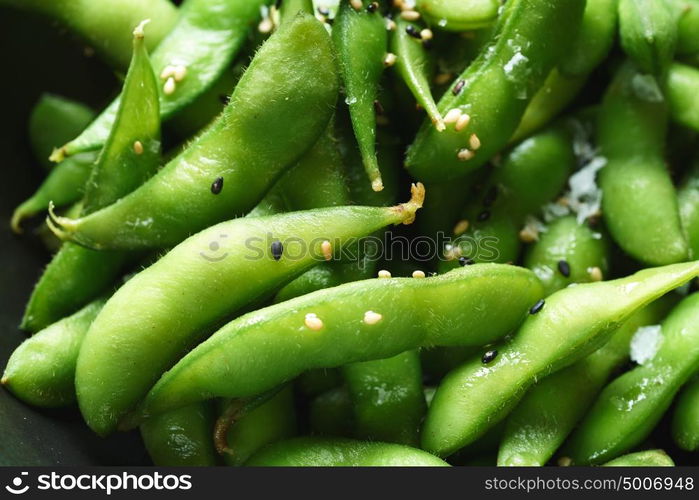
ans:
(169, 87)
(462, 122)
(167, 72)
(452, 115)
(356, 4)
(265, 26)
(410, 15)
(384, 274)
(313, 322)
(371, 317)
(327, 249)
(390, 25)
(595, 273)
(426, 34)
(138, 147)
(418, 274)
(390, 59)
(465, 154)
(474, 142)
(528, 234)
(461, 227)
(180, 72)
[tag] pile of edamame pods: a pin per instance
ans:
(406, 232)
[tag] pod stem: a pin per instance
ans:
(409, 208)
(62, 227)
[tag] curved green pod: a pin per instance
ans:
(639, 202)
(131, 155)
(549, 411)
(106, 26)
(321, 452)
(459, 15)
(629, 407)
(685, 420)
(681, 86)
(568, 252)
(649, 458)
(41, 371)
(688, 200)
(571, 324)
(166, 309)
(247, 147)
(204, 40)
(330, 413)
(182, 437)
(359, 321)
(388, 401)
(361, 43)
(530, 38)
(648, 33)
(687, 41)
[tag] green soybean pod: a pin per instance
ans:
(131, 154)
(687, 42)
(201, 45)
(388, 401)
(680, 91)
(648, 458)
(648, 33)
(270, 422)
(41, 371)
(459, 15)
(324, 452)
(164, 320)
(486, 103)
(361, 43)
(549, 411)
(229, 168)
(571, 324)
(629, 407)
(685, 419)
(639, 202)
(53, 121)
(106, 26)
(330, 413)
(688, 199)
(182, 437)
(568, 252)
(347, 324)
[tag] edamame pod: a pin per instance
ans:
(41, 371)
(558, 332)
(486, 103)
(649, 458)
(629, 407)
(687, 41)
(681, 88)
(639, 202)
(685, 421)
(359, 321)
(688, 199)
(227, 170)
(150, 323)
(459, 15)
(361, 42)
(321, 452)
(189, 60)
(330, 413)
(182, 437)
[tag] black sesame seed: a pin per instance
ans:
(489, 356)
(378, 108)
(225, 99)
(323, 11)
(465, 261)
(564, 268)
(490, 196)
(277, 249)
(217, 185)
(372, 7)
(458, 87)
(413, 31)
(483, 216)
(537, 307)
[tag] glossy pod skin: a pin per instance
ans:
(629, 407)
(648, 33)
(41, 371)
(388, 401)
(219, 28)
(361, 43)
(529, 40)
(459, 15)
(106, 26)
(321, 452)
(170, 306)
(131, 154)
(531, 174)
(549, 411)
(474, 397)
(687, 42)
(688, 199)
(681, 86)
(639, 202)
(649, 458)
(248, 146)
(567, 252)
(469, 306)
(182, 437)
(685, 420)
